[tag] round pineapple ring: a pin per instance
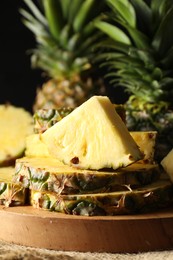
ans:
(15, 125)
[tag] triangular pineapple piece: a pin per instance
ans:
(146, 140)
(46, 118)
(93, 136)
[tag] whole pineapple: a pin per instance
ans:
(138, 56)
(65, 34)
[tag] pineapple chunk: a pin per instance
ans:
(167, 164)
(93, 136)
(15, 125)
(146, 141)
(35, 147)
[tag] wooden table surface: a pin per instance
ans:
(26, 226)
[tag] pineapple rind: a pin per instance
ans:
(51, 175)
(152, 197)
(45, 118)
(11, 194)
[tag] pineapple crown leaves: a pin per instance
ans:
(64, 32)
(138, 51)
(44, 57)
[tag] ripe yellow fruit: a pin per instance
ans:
(146, 140)
(35, 147)
(93, 136)
(15, 125)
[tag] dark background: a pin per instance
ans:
(18, 82)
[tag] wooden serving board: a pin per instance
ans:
(121, 234)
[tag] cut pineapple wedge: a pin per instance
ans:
(11, 194)
(146, 141)
(15, 125)
(93, 136)
(167, 164)
(50, 174)
(152, 197)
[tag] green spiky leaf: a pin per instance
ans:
(113, 32)
(125, 10)
(163, 39)
(54, 17)
(81, 16)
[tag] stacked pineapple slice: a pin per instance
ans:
(89, 164)
(15, 125)
(11, 194)
(50, 174)
(151, 197)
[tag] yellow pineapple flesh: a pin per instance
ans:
(35, 147)
(167, 164)
(93, 136)
(146, 140)
(15, 124)
(11, 194)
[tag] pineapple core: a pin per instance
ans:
(93, 136)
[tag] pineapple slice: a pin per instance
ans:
(93, 136)
(35, 147)
(167, 164)
(146, 141)
(152, 197)
(50, 174)
(11, 194)
(15, 125)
